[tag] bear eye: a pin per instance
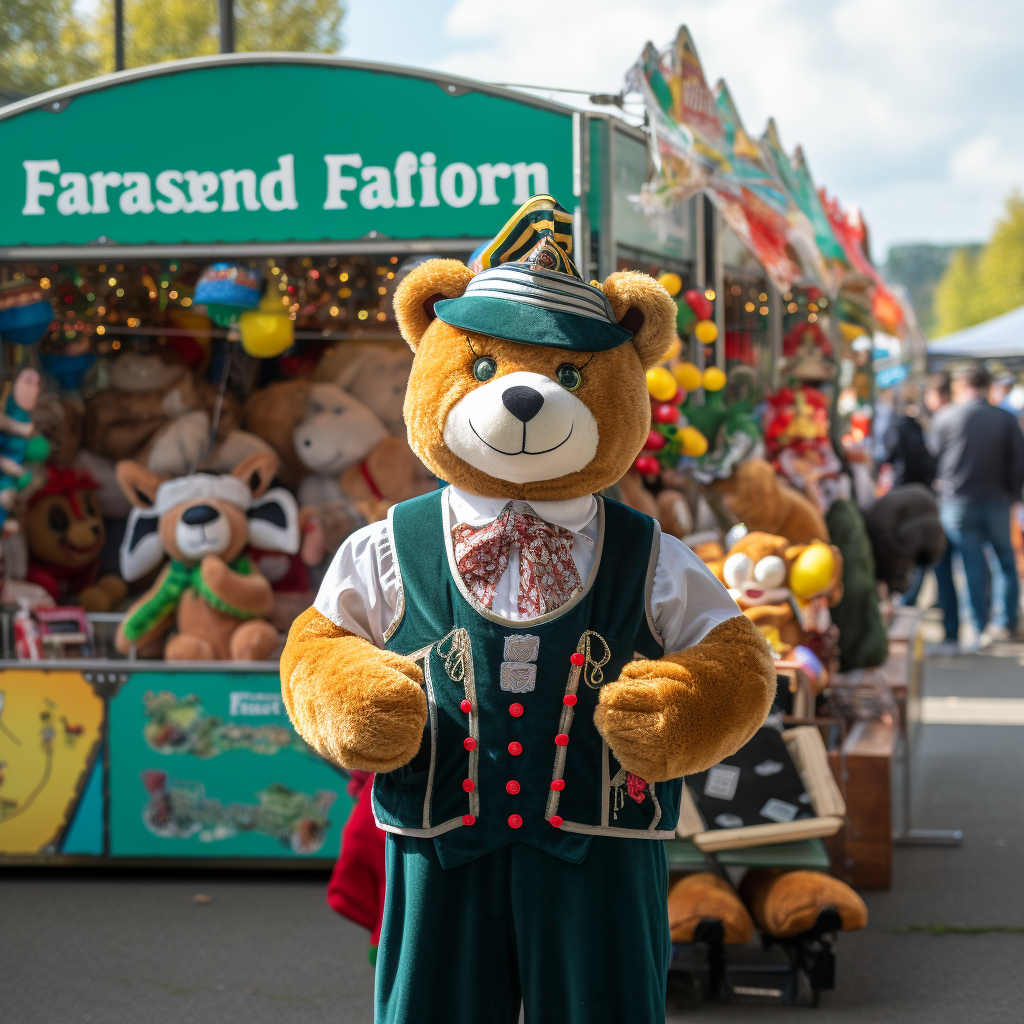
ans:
(484, 368)
(569, 377)
(57, 519)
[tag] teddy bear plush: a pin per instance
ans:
(65, 534)
(905, 534)
(377, 377)
(758, 571)
(210, 590)
(529, 668)
(762, 501)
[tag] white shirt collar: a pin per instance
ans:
(573, 514)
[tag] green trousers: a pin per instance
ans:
(575, 943)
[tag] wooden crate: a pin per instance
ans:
(862, 850)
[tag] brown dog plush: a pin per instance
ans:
(762, 501)
(210, 589)
(65, 535)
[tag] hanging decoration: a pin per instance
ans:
(266, 331)
(227, 290)
(25, 315)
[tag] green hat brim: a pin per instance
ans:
(531, 325)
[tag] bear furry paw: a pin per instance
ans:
(358, 706)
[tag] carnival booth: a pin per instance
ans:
(215, 299)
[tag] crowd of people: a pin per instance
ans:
(967, 445)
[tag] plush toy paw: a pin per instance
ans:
(357, 705)
(683, 713)
(699, 902)
(788, 903)
(254, 640)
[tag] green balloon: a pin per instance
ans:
(685, 317)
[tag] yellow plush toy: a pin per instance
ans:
(529, 668)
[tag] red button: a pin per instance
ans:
(512, 787)
(555, 820)
(515, 710)
(466, 706)
(558, 785)
(468, 819)
(561, 740)
(514, 821)
(577, 658)
(469, 743)
(468, 785)
(569, 700)
(515, 749)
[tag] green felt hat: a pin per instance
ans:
(529, 290)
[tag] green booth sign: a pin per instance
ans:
(258, 148)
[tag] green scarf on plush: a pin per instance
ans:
(181, 577)
(863, 642)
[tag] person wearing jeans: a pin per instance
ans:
(980, 476)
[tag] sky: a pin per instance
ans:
(910, 110)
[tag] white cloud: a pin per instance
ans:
(909, 109)
(890, 98)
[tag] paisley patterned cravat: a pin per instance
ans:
(548, 576)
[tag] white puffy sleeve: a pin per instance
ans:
(362, 590)
(687, 600)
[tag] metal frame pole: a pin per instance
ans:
(227, 26)
(119, 35)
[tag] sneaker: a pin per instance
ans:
(993, 631)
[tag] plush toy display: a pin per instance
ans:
(210, 590)
(529, 668)
(377, 377)
(159, 414)
(19, 443)
(762, 501)
(65, 534)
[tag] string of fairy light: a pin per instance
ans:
(327, 298)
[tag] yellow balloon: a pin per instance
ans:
(265, 335)
(695, 444)
(661, 384)
(673, 350)
(714, 379)
(688, 376)
(706, 331)
(672, 283)
(812, 572)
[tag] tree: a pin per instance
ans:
(975, 290)
(956, 295)
(159, 30)
(42, 45)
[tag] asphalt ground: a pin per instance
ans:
(131, 947)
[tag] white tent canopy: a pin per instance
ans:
(1000, 336)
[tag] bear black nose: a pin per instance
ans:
(524, 403)
(199, 514)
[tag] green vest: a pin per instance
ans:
(510, 752)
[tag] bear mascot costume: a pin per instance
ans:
(530, 669)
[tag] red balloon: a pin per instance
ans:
(665, 412)
(655, 441)
(647, 465)
(699, 303)
(680, 397)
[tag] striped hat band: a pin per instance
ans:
(516, 282)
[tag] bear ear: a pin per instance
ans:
(138, 483)
(642, 306)
(257, 471)
(426, 284)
